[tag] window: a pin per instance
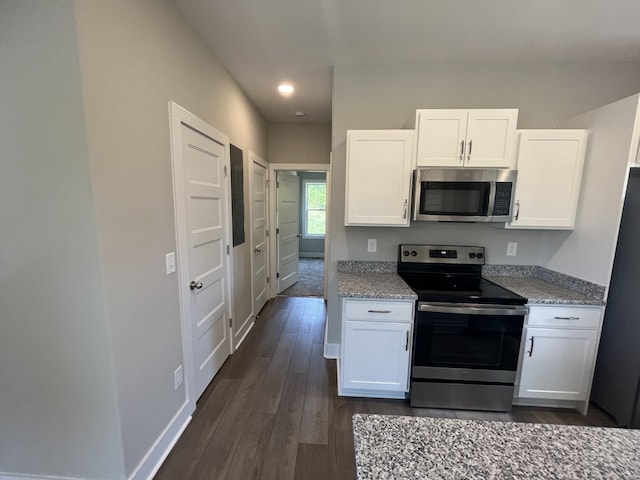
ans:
(315, 208)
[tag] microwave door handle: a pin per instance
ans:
(492, 200)
(416, 194)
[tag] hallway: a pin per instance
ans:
(273, 412)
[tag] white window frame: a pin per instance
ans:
(305, 182)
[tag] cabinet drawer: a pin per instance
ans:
(378, 310)
(563, 316)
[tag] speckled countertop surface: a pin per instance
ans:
(374, 285)
(539, 285)
(393, 447)
(537, 290)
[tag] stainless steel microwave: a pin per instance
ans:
(463, 195)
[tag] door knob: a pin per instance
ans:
(193, 285)
(257, 249)
(299, 235)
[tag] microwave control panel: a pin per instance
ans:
(502, 205)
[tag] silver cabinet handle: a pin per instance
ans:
(406, 345)
(517, 209)
(257, 250)
(567, 318)
(195, 285)
(379, 311)
(530, 352)
(406, 204)
(462, 150)
(470, 147)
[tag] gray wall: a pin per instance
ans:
(135, 57)
(90, 332)
(58, 410)
(383, 96)
(299, 142)
(309, 245)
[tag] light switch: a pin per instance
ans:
(372, 245)
(512, 249)
(171, 262)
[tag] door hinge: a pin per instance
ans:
(278, 275)
(268, 280)
(277, 184)
(228, 250)
(277, 231)
(224, 168)
(230, 322)
(267, 233)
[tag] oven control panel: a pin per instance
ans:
(441, 254)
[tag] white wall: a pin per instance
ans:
(384, 96)
(58, 410)
(299, 142)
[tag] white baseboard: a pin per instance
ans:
(311, 254)
(331, 350)
(252, 320)
(158, 453)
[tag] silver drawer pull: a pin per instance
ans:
(567, 318)
(379, 311)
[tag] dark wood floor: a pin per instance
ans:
(273, 412)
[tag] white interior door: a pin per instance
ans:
(287, 213)
(259, 236)
(207, 296)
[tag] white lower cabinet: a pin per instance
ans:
(376, 347)
(558, 354)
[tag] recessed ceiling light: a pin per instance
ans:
(286, 88)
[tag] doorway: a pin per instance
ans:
(311, 225)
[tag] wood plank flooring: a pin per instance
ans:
(273, 411)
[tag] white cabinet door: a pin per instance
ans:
(557, 363)
(491, 136)
(378, 177)
(376, 356)
(441, 137)
(481, 138)
(549, 166)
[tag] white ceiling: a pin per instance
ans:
(265, 42)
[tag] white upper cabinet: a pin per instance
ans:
(378, 177)
(466, 138)
(549, 164)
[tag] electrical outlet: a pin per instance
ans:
(372, 245)
(512, 249)
(170, 259)
(178, 378)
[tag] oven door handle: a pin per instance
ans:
(472, 309)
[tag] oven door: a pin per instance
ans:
(467, 342)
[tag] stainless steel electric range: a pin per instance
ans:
(467, 330)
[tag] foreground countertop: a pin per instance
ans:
(394, 447)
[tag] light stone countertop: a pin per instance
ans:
(374, 285)
(370, 279)
(539, 291)
(396, 447)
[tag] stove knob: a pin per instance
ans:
(472, 255)
(406, 253)
(414, 253)
(480, 255)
